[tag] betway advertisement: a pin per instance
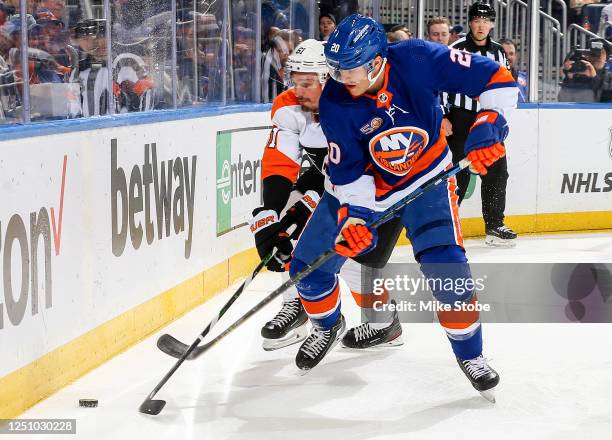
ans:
(93, 224)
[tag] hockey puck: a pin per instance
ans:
(88, 403)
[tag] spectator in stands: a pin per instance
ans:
(605, 23)
(575, 11)
(55, 38)
(520, 76)
(456, 32)
(396, 36)
(438, 30)
(5, 45)
(299, 15)
(209, 47)
(187, 57)
(244, 63)
(401, 27)
(14, 33)
(271, 16)
(282, 45)
(327, 24)
(14, 25)
(5, 12)
(585, 73)
(44, 68)
(604, 83)
(339, 8)
(56, 7)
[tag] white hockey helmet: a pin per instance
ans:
(308, 57)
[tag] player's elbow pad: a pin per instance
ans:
(489, 128)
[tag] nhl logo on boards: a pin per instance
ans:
(397, 149)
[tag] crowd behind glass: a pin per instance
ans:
(215, 59)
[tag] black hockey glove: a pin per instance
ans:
(270, 234)
(299, 214)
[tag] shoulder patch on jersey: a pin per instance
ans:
(284, 99)
(372, 126)
(396, 150)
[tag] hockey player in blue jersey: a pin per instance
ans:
(381, 117)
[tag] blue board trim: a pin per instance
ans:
(19, 131)
(566, 105)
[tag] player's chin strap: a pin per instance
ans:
(380, 72)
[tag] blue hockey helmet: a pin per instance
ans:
(356, 42)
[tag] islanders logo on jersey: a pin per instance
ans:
(397, 149)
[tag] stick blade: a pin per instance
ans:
(172, 346)
(152, 407)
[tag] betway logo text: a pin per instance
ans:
(23, 243)
(172, 205)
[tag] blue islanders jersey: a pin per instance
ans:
(380, 147)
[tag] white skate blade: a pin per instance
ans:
(394, 343)
(494, 241)
(489, 395)
(296, 335)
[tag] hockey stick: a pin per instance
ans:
(173, 347)
(154, 407)
(165, 343)
(179, 348)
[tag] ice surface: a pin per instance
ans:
(556, 379)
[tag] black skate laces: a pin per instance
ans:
(364, 331)
(316, 342)
(477, 367)
(287, 313)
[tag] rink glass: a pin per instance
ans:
(210, 52)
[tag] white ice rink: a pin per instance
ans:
(556, 379)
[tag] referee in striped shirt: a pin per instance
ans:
(461, 113)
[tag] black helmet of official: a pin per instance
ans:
(480, 9)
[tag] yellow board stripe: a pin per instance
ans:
(541, 223)
(28, 385)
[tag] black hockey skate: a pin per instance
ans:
(316, 346)
(500, 236)
(482, 377)
(366, 336)
(287, 327)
